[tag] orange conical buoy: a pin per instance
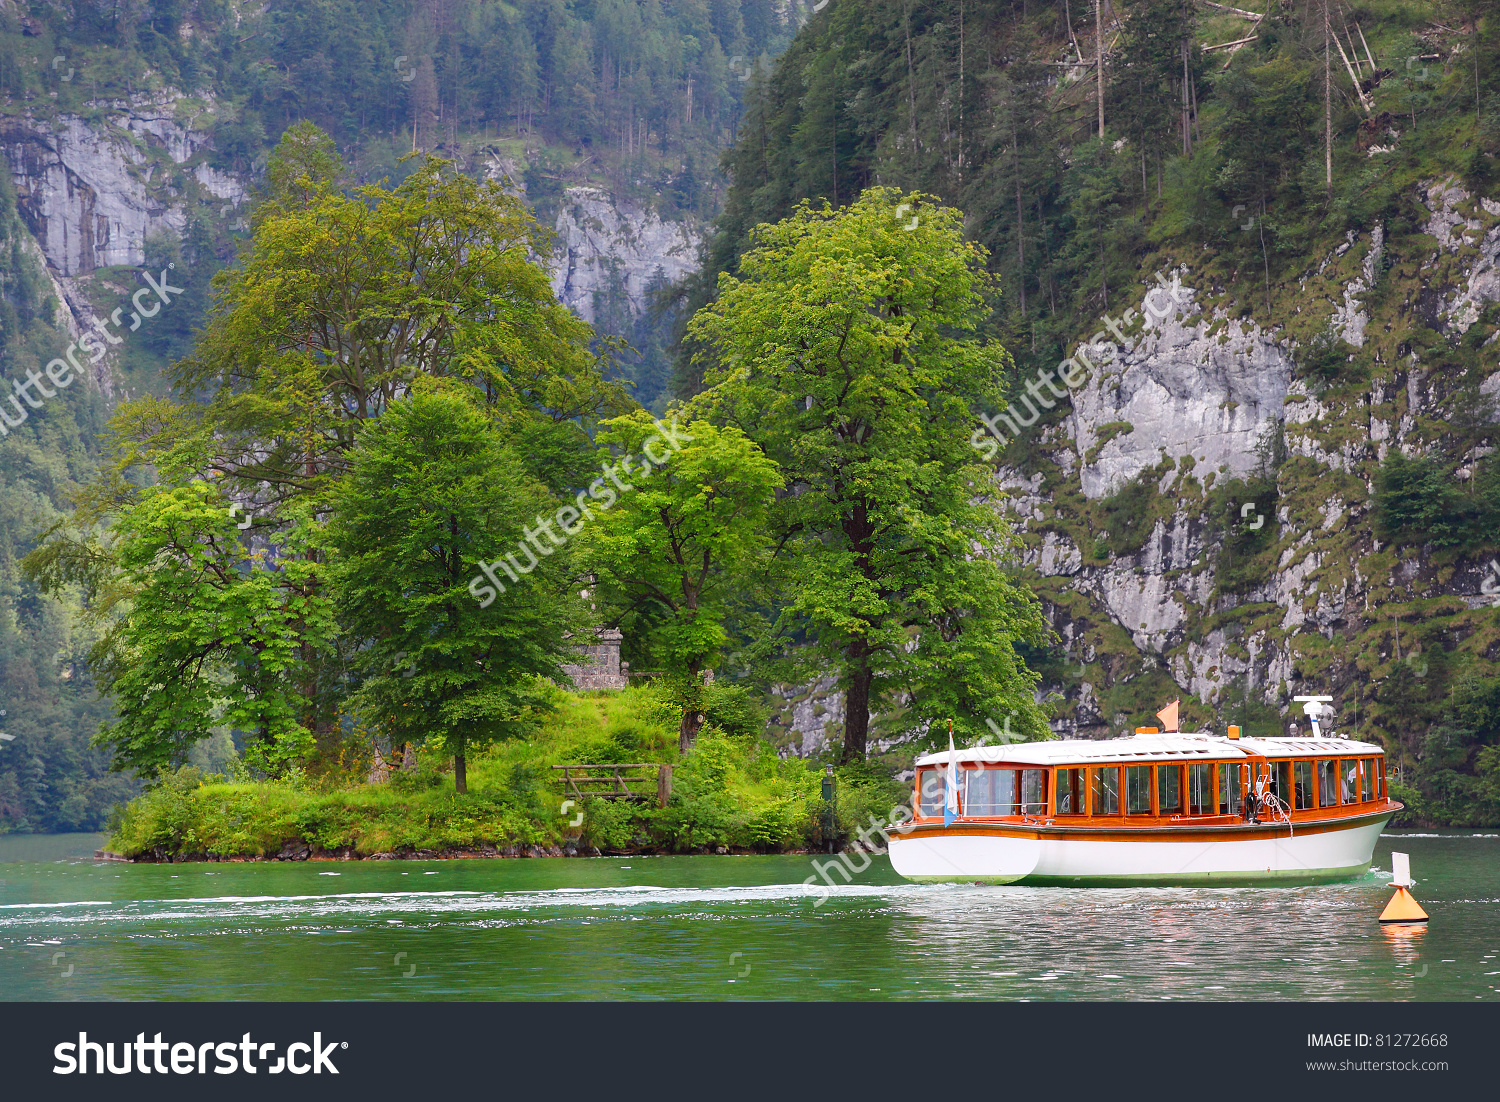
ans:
(1403, 908)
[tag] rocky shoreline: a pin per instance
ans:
(301, 851)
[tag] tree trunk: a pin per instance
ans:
(960, 89)
(460, 774)
(1099, 64)
(911, 82)
(857, 706)
(1015, 142)
(1187, 130)
(1328, 104)
(692, 712)
(687, 730)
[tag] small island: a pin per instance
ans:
(732, 793)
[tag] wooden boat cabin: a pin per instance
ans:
(1156, 779)
(1149, 809)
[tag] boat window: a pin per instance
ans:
(1349, 778)
(1169, 789)
(1138, 790)
(1104, 798)
(1380, 779)
(1302, 772)
(931, 792)
(1328, 784)
(1072, 793)
(1231, 789)
(1033, 791)
(1200, 788)
(1281, 781)
(1005, 793)
(1364, 780)
(976, 784)
(990, 792)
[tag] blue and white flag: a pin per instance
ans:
(950, 805)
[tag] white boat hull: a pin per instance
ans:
(978, 853)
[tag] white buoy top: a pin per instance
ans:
(1401, 867)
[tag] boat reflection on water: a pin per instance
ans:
(1290, 943)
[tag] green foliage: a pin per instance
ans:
(604, 79)
(423, 507)
(1456, 780)
(211, 636)
(865, 791)
(1326, 359)
(1417, 501)
(343, 300)
(846, 352)
(1129, 515)
(51, 779)
(615, 826)
(673, 553)
(1149, 73)
(1246, 556)
(737, 792)
(367, 362)
(184, 817)
(728, 791)
(1249, 711)
(734, 709)
(693, 527)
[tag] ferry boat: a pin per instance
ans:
(1149, 808)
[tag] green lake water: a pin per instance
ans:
(721, 928)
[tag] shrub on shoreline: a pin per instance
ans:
(730, 791)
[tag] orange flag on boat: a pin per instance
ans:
(1168, 716)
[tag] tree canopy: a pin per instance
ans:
(431, 493)
(674, 555)
(386, 391)
(848, 349)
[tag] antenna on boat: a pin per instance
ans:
(1312, 707)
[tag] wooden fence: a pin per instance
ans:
(640, 781)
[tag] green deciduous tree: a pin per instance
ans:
(341, 304)
(344, 300)
(672, 553)
(848, 352)
(431, 493)
(210, 636)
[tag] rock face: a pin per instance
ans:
(1197, 395)
(1194, 387)
(606, 246)
(92, 193)
(807, 719)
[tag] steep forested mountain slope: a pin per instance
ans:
(1281, 482)
(135, 134)
(50, 779)
(124, 123)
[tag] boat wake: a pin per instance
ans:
(416, 906)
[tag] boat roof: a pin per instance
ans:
(1311, 747)
(1179, 747)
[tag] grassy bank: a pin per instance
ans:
(731, 791)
